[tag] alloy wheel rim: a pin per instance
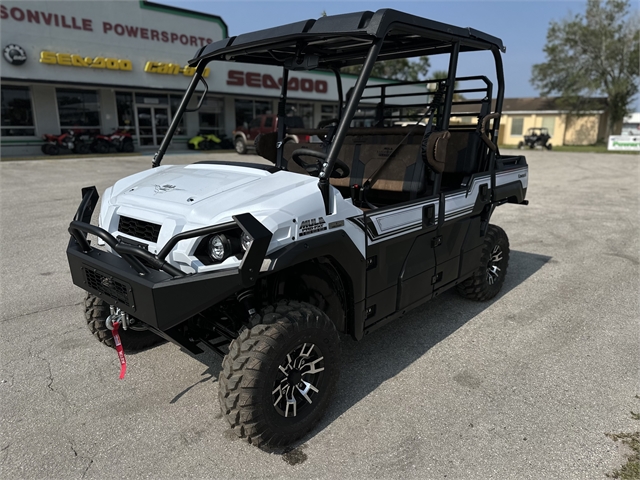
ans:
(298, 381)
(493, 270)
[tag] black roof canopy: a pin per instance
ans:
(341, 40)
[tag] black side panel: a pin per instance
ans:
(509, 191)
(448, 252)
(386, 260)
(417, 272)
(473, 238)
(336, 245)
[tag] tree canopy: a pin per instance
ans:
(399, 69)
(595, 53)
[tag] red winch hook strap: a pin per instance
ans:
(119, 349)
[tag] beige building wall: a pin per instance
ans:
(583, 130)
(511, 135)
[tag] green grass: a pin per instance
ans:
(599, 148)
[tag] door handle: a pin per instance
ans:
(428, 215)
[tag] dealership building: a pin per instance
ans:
(100, 66)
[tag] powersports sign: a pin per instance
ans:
(139, 43)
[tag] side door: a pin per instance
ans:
(400, 257)
(458, 240)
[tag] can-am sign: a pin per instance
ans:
(624, 143)
(238, 78)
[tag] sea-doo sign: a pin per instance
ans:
(264, 80)
(14, 54)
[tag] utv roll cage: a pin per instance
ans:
(363, 38)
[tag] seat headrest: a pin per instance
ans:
(435, 150)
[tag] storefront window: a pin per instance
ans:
(328, 112)
(302, 110)
(17, 112)
(126, 116)
(79, 109)
(211, 116)
(247, 110)
(152, 98)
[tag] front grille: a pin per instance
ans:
(107, 285)
(139, 229)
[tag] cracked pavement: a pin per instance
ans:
(525, 386)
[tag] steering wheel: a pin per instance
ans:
(340, 169)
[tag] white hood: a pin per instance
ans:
(206, 194)
(187, 185)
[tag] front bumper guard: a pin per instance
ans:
(145, 285)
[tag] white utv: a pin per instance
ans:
(267, 264)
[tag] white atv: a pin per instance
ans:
(266, 264)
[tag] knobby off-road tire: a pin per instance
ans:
(269, 359)
(487, 280)
(96, 312)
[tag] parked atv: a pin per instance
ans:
(209, 141)
(118, 141)
(536, 137)
(68, 142)
(265, 264)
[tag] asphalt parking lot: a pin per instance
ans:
(524, 386)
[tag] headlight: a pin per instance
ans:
(219, 248)
(222, 247)
(246, 240)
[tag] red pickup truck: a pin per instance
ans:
(243, 137)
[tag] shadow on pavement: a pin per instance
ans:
(386, 352)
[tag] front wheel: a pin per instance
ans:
(96, 312)
(279, 376)
(520, 145)
(127, 146)
(487, 280)
(241, 146)
(549, 146)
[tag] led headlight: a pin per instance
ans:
(245, 240)
(219, 247)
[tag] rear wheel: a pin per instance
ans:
(127, 146)
(96, 312)
(241, 146)
(487, 280)
(101, 146)
(81, 148)
(520, 145)
(50, 149)
(279, 376)
(549, 146)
